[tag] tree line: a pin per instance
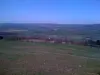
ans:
(92, 43)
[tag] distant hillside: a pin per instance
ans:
(92, 30)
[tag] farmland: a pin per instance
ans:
(27, 58)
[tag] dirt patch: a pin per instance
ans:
(47, 64)
(4, 66)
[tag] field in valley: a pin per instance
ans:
(27, 58)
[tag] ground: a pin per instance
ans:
(24, 58)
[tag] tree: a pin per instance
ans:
(1, 37)
(91, 43)
(98, 42)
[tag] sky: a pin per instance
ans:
(50, 11)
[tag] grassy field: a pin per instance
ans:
(26, 58)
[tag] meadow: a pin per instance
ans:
(28, 58)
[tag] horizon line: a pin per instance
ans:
(46, 23)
